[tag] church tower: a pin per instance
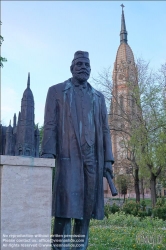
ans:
(123, 108)
(25, 142)
(23, 138)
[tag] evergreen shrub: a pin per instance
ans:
(160, 209)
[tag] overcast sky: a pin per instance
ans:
(41, 37)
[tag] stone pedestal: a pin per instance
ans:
(26, 197)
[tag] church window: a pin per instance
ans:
(20, 151)
(132, 105)
(120, 77)
(121, 103)
(122, 126)
(27, 153)
(122, 144)
(128, 154)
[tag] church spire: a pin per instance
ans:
(28, 82)
(14, 121)
(123, 32)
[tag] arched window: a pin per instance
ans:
(132, 105)
(121, 99)
(20, 151)
(120, 77)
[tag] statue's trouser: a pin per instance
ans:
(62, 226)
(62, 230)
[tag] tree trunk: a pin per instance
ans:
(153, 189)
(136, 185)
(124, 198)
(142, 189)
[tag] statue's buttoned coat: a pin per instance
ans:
(61, 138)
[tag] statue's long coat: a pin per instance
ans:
(61, 138)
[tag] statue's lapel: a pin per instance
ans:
(70, 101)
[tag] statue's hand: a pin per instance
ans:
(108, 167)
(47, 156)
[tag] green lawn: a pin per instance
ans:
(121, 232)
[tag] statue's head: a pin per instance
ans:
(80, 67)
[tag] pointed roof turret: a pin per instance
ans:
(9, 128)
(14, 121)
(19, 118)
(28, 82)
(28, 95)
(9, 140)
(123, 32)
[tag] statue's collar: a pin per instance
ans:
(68, 85)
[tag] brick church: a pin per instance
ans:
(122, 111)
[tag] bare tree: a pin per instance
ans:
(2, 59)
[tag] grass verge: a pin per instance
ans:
(126, 232)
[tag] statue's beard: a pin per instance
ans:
(81, 77)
